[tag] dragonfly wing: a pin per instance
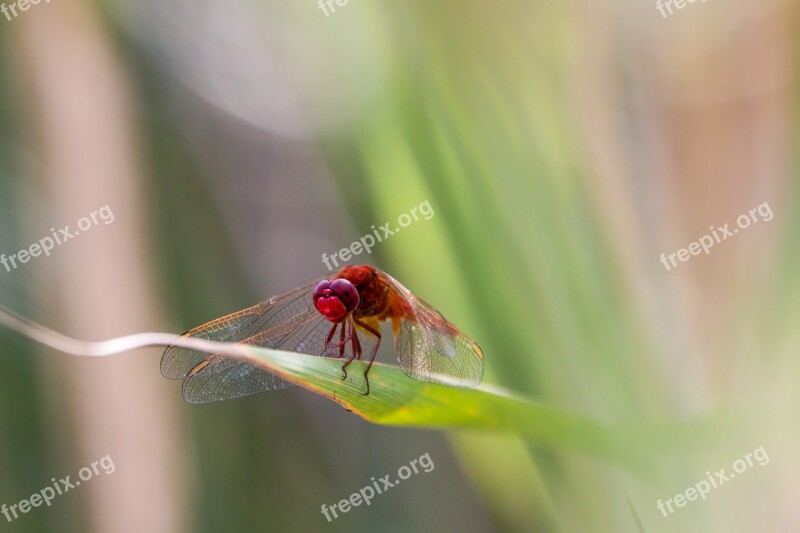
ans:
(222, 378)
(212, 377)
(306, 332)
(289, 322)
(226, 379)
(431, 349)
(177, 362)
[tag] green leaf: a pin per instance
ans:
(396, 399)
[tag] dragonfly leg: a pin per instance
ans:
(331, 333)
(356, 342)
(341, 344)
(356, 349)
(374, 350)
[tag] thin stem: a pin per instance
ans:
(63, 343)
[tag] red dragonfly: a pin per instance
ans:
(337, 317)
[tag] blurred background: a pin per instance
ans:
(563, 146)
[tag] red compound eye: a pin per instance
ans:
(323, 288)
(346, 292)
(335, 299)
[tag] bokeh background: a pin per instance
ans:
(563, 146)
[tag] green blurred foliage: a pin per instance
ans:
(474, 115)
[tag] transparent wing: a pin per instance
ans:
(177, 362)
(222, 378)
(428, 347)
(208, 377)
(288, 322)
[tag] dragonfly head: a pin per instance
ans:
(335, 299)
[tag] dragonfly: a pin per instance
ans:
(339, 317)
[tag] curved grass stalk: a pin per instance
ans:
(395, 399)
